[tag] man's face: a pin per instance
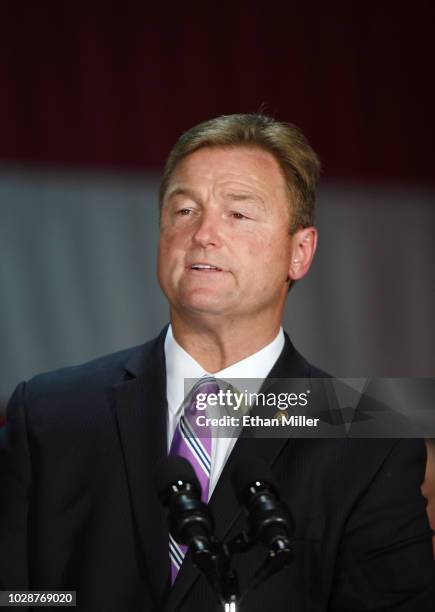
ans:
(225, 247)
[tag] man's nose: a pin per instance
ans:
(207, 232)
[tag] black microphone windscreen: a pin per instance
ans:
(172, 469)
(249, 471)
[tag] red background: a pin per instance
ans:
(112, 85)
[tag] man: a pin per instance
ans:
(79, 509)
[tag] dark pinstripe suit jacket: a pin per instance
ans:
(78, 508)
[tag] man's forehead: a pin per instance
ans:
(242, 154)
(240, 170)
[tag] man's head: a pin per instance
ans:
(298, 162)
(232, 189)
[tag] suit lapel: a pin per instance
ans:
(223, 504)
(140, 409)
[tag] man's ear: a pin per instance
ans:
(304, 243)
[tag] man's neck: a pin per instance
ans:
(216, 347)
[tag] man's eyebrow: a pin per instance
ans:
(184, 191)
(241, 196)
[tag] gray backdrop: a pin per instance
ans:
(77, 274)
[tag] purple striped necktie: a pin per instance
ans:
(194, 444)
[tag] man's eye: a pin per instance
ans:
(238, 215)
(184, 212)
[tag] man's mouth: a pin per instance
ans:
(203, 267)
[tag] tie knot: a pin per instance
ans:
(201, 391)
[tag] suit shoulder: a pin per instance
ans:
(107, 369)
(90, 383)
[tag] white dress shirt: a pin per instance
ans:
(180, 365)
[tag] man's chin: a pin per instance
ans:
(206, 308)
(205, 305)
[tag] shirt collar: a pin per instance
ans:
(180, 365)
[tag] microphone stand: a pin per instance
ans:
(215, 564)
(279, 556)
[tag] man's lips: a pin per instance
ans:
(203, 267)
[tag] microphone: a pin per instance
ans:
(190, 521)
(269, 519)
